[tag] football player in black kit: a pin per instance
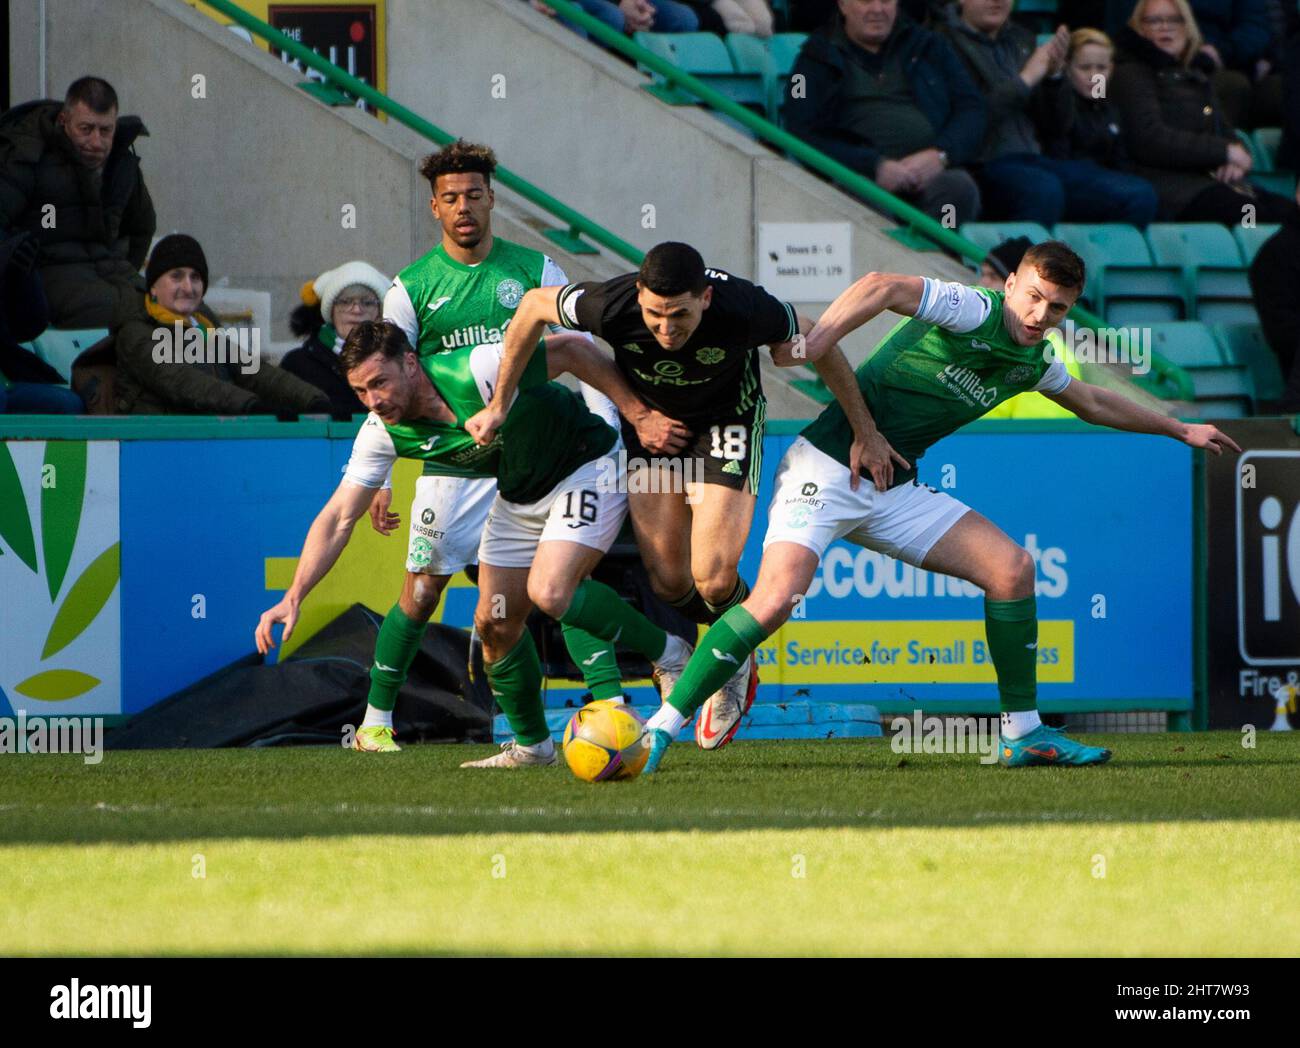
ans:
(686, 338)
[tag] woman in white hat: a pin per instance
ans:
(333, 304)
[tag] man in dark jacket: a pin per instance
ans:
(69, 175)
(1017, 181)
(1274, 278)
(891, 101)
(1239, 36)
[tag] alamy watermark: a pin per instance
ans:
(84, 735)
(179, 344)
(919, 734)
(649, 476)
(1130, 346)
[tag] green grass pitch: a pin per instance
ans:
(1182, 845)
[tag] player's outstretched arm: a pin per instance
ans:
(870, 452)
(862, 301)
(539, 307)
(579, 356)
(326, 538)
(1102, 407)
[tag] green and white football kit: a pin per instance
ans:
(554, 462)
(556, 465)
(932, 375)
(444, 305)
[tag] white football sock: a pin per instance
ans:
(540, 749)
(666, 718)
(377, 718)
(1019, 724)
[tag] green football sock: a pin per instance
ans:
(395, 648)
(721, 652)
(603, 613)
(595, 660)
(516, 682)
(1012, 630)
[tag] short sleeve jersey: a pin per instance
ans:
(547, 434)
(443, 304)
(715, 374)
(938, 371)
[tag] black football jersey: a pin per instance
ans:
(715, 374)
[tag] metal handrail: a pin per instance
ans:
(577, 222)
(917, 221)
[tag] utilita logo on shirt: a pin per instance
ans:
(475, 335)
(968, 385)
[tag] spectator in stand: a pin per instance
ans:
(1274, 280)
(1002, 260)
(892, 101)
(69, 176)
(1174, 126)
(28, 385)
(1242, 43)
(745, 16)
(177, 275)
(634, 16)
(333, 304)
(1076, 122)
(1017, 181)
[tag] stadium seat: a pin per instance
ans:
(989, 235)
(1224, 312)
(1215, 409)
(1266, 140)
(705, 57)
(1250, 240)
(1189, 344)
(1209, 257)
(784, 49)
(1123, 281)
(751, 57)
(60, 348)
(1245, 344)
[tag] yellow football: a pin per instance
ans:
(603, 742)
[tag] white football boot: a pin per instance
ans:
(670, 664)
(726, 708)
(512, 756)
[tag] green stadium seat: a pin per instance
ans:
(1266, 140)
(1217, 409)
(751, 57)
(1209, 257)
(1280, 182)
(1189, 344)
(59, 348)
(784, 49)
(1213, 311)
(1223, 383)
(989, 235)
(1250, 240)
(1245, 344)
(705, 57)
(1121, 270)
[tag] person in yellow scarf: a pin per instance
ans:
(163, 368)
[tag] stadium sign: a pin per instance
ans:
(1252, 635)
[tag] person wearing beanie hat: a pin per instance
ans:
(176, 275)
(175, 251)
(332, 305)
